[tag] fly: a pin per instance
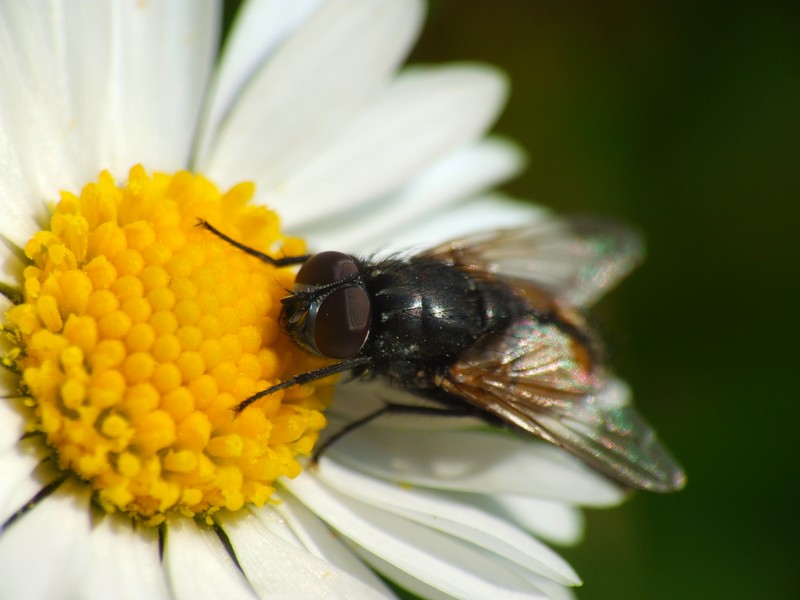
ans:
(490, 325)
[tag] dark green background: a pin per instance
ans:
(683, 118)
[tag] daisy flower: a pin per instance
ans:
(130, 333)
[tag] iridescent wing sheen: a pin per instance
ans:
(533, 377)
(576, 259)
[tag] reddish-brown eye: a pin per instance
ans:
(338, 322)
(342, 322)
(326, 268)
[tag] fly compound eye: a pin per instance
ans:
(325, 268)
(338, 320)
(341, 323)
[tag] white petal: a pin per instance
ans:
(17, 203)
(461, 174)
(546, 589)
(274, 521)
(320, 541)
(478, 462)
(198, 567)
(20, 458)
(549, 588)
(32, 144)
(20, 479)
(399, 577)
(277, 569)
(162, 56)
(551, 520)
(555, 591)
(445, 514)
(129, 92)
(45, 554)
(259, 27)
(448, 564)
(125, 563)
(356, 399)
(480, 214)
(422, 116)
(12, 424)
(11, 256)
(311, 88)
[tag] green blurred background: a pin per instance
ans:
(683, 118)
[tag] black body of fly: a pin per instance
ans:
(425, 314)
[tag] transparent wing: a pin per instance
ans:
(577, 259)
(533, 378)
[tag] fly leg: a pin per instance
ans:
(394, 409)
(275, 262)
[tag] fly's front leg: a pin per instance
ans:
(275, 262)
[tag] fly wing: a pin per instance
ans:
(534, 377)
(576, 259)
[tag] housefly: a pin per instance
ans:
(490, 325)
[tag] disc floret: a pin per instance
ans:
(137, 333)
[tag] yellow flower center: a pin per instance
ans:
(137, 333)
